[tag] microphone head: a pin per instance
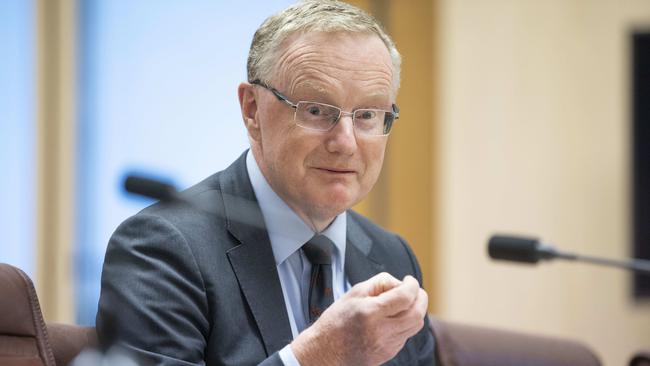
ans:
(150, 188)
(513, 248)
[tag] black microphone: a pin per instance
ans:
(532, 250)
(150, 188)
(244, 210)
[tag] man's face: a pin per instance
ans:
(321, 174)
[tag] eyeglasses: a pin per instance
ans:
(323, 117)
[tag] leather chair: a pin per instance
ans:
(23, 336)
(466, 345)
(68, 341)
(25, 339)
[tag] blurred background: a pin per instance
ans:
(518, 116)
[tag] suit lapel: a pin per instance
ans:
(252, 260)
(360, 264)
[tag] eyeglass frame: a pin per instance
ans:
(281, 97)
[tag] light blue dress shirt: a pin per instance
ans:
(288, 233)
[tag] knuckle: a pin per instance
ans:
(415, 318)
(384, 275)
(387, 301)
(377, 306)
(418, 321)
(424, 295)
(364, 314)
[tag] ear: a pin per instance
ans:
(248, 104)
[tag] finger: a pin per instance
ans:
(399, 298)
(421, 302)
(410, 320)
(412, 329)
(376, 285)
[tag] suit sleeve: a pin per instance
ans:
(425, 342)
(153, 290)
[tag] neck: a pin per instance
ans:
(316, 224)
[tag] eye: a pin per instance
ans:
(314, 110)
(367, 114)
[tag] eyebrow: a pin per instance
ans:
(309, 85)
(322, 94)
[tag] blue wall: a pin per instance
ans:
(158, 93)
(17, 134)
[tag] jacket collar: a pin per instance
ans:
(360, 262)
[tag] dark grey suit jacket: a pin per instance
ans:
(200, 286)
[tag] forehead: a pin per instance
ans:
(321, 61)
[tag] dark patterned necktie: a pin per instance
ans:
(319, 252)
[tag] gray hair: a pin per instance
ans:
(312, 16)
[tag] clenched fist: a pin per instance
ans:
(367, 326)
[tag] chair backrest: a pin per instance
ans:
(466, 345)
(23, 334)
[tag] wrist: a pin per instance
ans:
(314, 347)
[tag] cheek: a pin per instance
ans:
(374, 158)
(277, 139)
(290, 150)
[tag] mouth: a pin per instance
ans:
(341, 171)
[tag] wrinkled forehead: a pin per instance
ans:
(317, 60)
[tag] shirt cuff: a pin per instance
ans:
(287, 356)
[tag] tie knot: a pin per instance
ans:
(319, 250)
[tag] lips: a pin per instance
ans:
(337, 170)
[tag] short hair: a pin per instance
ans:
(312, 16)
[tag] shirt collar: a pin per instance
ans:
(287, 231)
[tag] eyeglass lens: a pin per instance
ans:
(322, 117)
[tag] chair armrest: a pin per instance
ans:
(67, 341)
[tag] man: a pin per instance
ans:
(269, 265)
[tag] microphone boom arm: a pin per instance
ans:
(531, 250)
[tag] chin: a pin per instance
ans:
(335, 203)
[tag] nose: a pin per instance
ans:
(341, 138)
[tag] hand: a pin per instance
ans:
(367, 326)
